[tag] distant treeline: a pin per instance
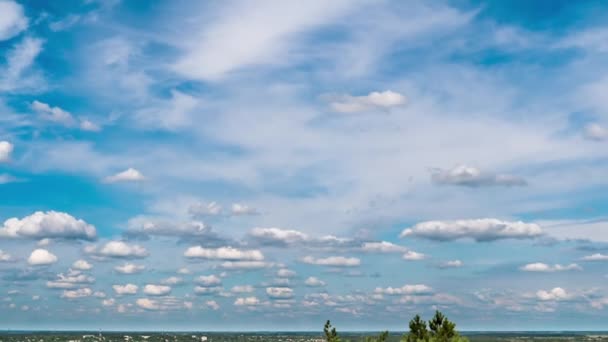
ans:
(439, 329)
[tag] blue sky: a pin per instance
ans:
(269, 165)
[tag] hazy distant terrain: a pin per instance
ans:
(281, 337)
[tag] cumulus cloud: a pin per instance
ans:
(464, 175)
(50, 224)
(41, 257)
(6, 149)
(314, 282)
(280, 236)
(247, 301)
(242, 289)
(479, 230)
(244, 265)
(286, 273)
(128, 175)
(279, 292)
(451, 264)
(555, 294)
(541, 267)
(372, 101)
(405, 290)
(88, 125)
(12, 19)
(4, 256)
(117, 249)
(172, 281)
(334, 261)
(207, 290)
(595, 257)
(238, 209)
(147, 304)
(78, 293)
(596, 132)
(157, 290)
(146, 226)
(383, 247)
(82, 265)
(223, 253)
(53, 114)
(210, 280)
(70, 280)
(213, 305)
(129, 268)
(127, 289)
(413, 256)
(205, 209)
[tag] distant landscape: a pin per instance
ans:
(286, 336)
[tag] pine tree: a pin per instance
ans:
(331, 335)
(418, 330)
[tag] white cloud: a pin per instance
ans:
(118, 249)
(142, 225)
(334, 261)
(5, 178)
(88, 125)
(128, 175)
(127, 289)
(183, 270)
(480, 230)
(205, 209)
(210, 280)
(17, 73)
(82, 265)
(554, 294)
(314, 282)
(372, 101)
(452, 264)
(594, 131)
(213, 305)
(4, 256)
(595, 257)
(223, 253)
(12, 19)
(285, 273)
(172, 281)
(50, 224)
(469, 176)
(242, 289)
(244, 265)
(170, 114)
(206, 290)
(78, 293)
(278, 235)
(279, 292)
(70, 280)
(157, 290)
(53, 114)
(413, 256)
(6, 149)
(405, 290)
(41, 257)
(231, 41)
(383, 247)
(108, 302)
(238, 209)
(129, 268)
(247, 301)
(541, 267)
(147, 304)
